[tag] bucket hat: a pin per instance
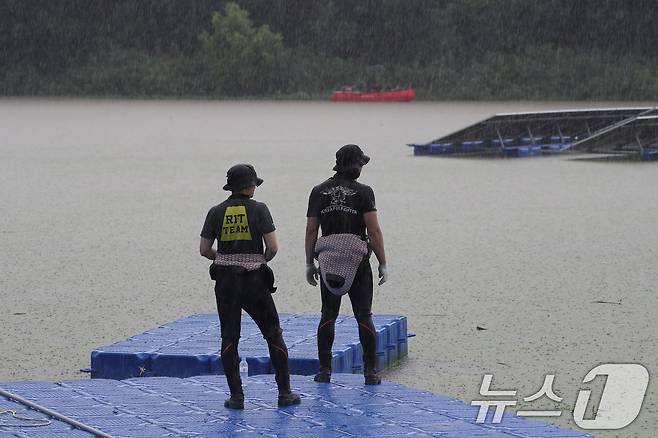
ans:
(349, 157)
(241, 176)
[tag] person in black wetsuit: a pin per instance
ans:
(243, 280)
(345, 210)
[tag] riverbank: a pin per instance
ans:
(497, 77)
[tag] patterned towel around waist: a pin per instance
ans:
(250, 262)
(339, 256)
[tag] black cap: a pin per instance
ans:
(241, 176)
(350, 156)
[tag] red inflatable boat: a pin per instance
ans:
(373, 96)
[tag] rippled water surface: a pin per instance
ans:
(103, 201)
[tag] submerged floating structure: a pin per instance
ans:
(193, 407)
(190, 347)
(635, 136)
(611, 130)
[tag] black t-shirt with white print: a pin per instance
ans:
(339, 204)
(238, 225)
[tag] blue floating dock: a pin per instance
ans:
(193, 407)
(472, 146)
(190, 347)
(522, 151)
(629, 131)
(554, 148)
(649, 155)
(434, 149)
(441, 148)
(505, 142)
(531, 140)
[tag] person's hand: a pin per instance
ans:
(312, 274)
(383, 274)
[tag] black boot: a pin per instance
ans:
(236, 401)
(372, 377)
(370, 370)
(324, 375)
(288, 399)
(279, 358)
(369, 343)
(326, 330)
(286, 396)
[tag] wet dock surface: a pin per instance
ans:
(193, 407)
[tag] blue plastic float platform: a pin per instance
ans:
(522, 151)
(556, 144)
(605, 130)
(554, 148)
(193, 407)
(434, 149)
(190, 347)
(649, 155)
(509, 147)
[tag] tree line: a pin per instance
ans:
(448, 49)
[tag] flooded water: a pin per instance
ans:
(103, 202)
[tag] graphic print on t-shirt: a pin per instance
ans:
(339, 196)
(236, 224)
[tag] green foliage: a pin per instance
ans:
(240, 56)
(129, 72)
(448, 49)
(311, 74)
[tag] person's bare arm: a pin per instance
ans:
(271, 245)
(377, 243)
(206, 249)
(312, 225)
(311, 238)
(376, 236)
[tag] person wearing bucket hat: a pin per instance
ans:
(349, 158)
(345, 211)
(241, 176)
(241, 225)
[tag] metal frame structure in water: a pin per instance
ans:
(534, 133)
(638, 135)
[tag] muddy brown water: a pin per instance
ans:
(103, 201)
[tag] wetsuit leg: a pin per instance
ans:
(327, 325)
(228, 290)
(258, 303)
(361, 297)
